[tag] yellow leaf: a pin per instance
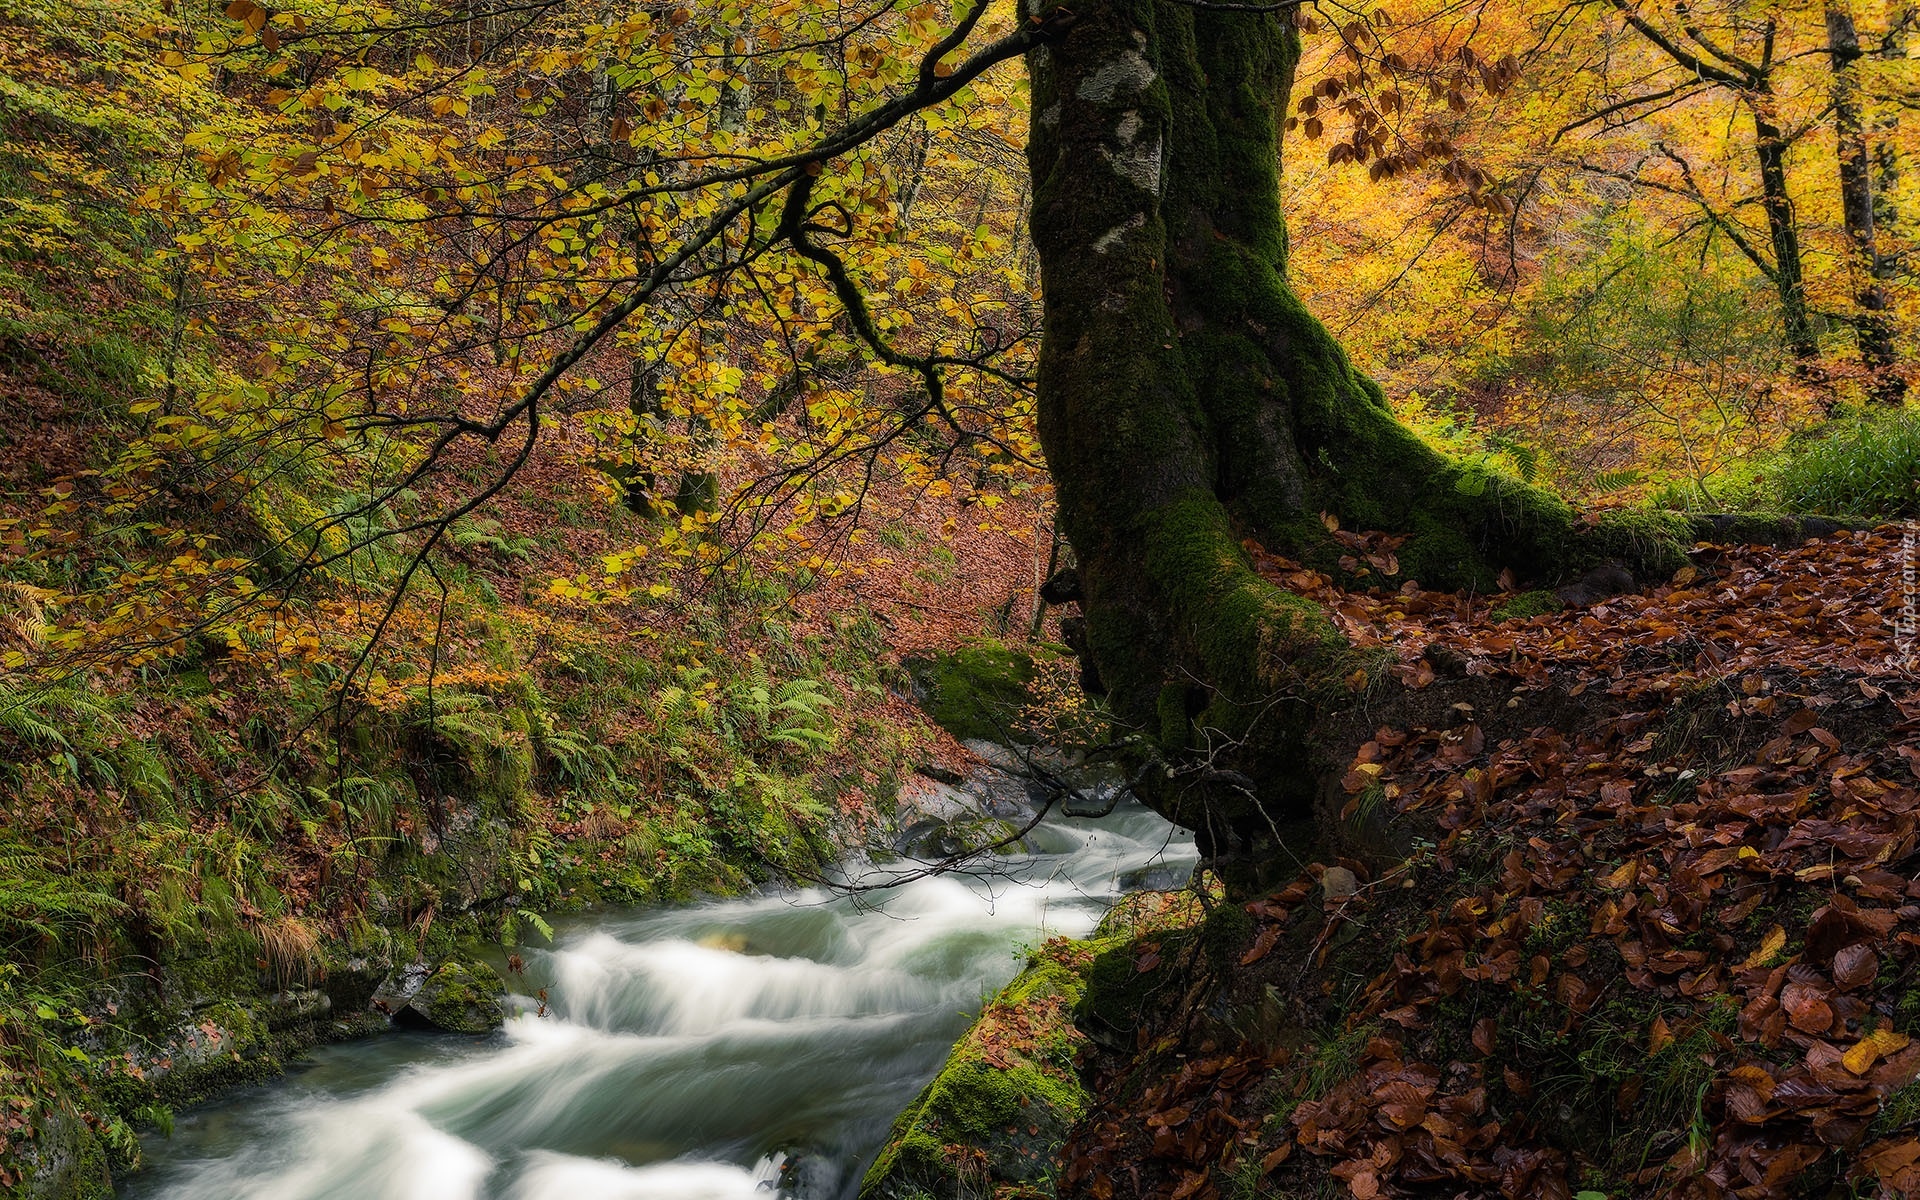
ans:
(1770, 945)
(1870, 1049)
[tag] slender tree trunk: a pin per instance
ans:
(913, 169)
(639, 485)
(1888, 220)
(1900, 25)
(1873, 331)
(1187, 399)
(1770, 147)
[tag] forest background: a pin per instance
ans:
(434, 496)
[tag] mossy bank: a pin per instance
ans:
(991, 1123)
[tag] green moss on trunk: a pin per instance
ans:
(1188, 399)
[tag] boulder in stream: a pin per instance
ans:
(994, 1119)
(932, 839)
(460, 997)
(1002, 1105)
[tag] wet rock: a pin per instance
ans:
(999, 1110)
(1157, 878)
(995, 755)
(215, 1045)
(936, 839)
(923, 799)
(1004, 795)
(296, 1007)
(399, 988)
(1596, 585)
(350, 984)
(457, 998)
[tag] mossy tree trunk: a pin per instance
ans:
(1188, 400)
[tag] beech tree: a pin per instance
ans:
(1188, 400)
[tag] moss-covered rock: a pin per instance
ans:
(998, 1112)
(460, 997)
(977, 691)
(935, 839)
(1133, 972)
(65, 1161)
(1005, 1099)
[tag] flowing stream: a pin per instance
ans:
(710, 1053)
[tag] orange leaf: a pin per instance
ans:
(1261, 946)
(1660, 1036)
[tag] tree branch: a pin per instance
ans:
(1692, 62)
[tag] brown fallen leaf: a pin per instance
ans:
(1262, 945)
(1659, 1036)
(1855, 967)
(1807, 1010)
(1190, 1185)
(1485, 1034)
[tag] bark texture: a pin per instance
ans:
(1770, 145)
(1188, 400)
(1874, 331)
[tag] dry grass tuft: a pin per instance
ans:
(292, 949)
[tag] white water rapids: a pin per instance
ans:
(710, 1053)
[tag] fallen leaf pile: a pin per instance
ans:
(1670, 947)
(1188, 1117)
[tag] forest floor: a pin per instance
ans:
(1630, 909)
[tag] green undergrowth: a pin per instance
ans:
(1858, 465)
(232, 816)
(1528, 605)
(213, 831)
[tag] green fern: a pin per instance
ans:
(38, 903)
(800, 716)
(1614, 481)
(570, 758)
(485, 533)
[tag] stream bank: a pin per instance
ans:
(685, 1054)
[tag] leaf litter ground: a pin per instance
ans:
(1662, 942)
